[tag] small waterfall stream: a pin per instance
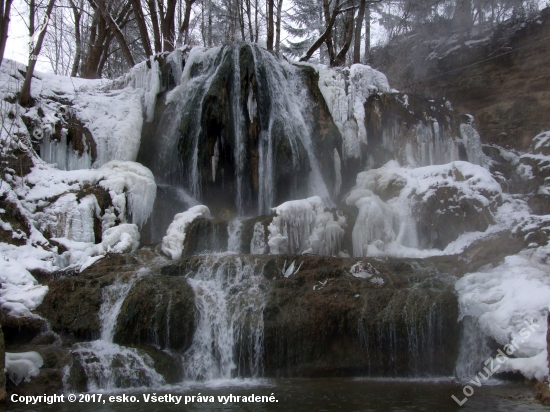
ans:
(228, 341)
(110, 366)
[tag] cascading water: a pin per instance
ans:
(473, 351)
(238, 114)
(229, 299)
(106, 364)
(234, 228)
(287, 110)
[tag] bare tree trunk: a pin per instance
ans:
(358, 26)
(270, 7)
(98, 41)
(25, 96)
(155, 24)
(329, 23)
(116, 31)
(77, 13)
(278, 27)
(340, 58)
(323, 37)
(142, 26)
(249, 15)
(184, 28)
(5, 9)
(167, 24)
(240, 10)
(210, 23)
(367, 34)
(256, 23)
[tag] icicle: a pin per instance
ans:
(215, 159)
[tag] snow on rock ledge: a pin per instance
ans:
(172, 243)
(23, 366)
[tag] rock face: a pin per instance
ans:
(72, 303)
(158, 312)
(2, 367)
(324, 321)
(325, 317)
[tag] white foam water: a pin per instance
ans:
(109, 366)
(229, 300)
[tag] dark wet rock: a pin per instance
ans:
(205, 236)
(166, 364)
(323, 321)
(19, 225)
(506, 171)
(20, 329)
(159, 311)
(445, 215)
(48, 381)
(540, 204)
(72, 303)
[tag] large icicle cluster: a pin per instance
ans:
(303, 226)
(391, 200)
(345, 92)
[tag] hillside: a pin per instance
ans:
(509, 95)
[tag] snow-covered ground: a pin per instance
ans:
(60, 207)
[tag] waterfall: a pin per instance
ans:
(289, 100)
(234, 235)
(239, 126)
(229, 298)
(473, 351)
(107, 365)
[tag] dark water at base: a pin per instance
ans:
(335, 394)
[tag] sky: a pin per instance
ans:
(18, 37)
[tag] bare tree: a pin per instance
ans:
(270, 7)
(142, 25)
(25, 95)
(5, 9)
(278, 26)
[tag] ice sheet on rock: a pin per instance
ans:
(303, 226)
(23, 366)
(137, 182)
(123, 238)
(114, 117)
(131, 186)
(257, 244)
(510, 301)
(173, 242)
(20, 292)
(472, 143)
